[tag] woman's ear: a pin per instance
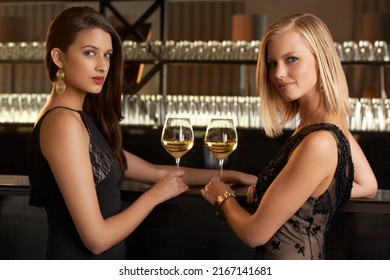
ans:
(57, 56)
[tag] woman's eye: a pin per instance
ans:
(108, 55)
(292, 59)
(89, 53)
(271, 64)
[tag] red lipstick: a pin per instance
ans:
(98, 80)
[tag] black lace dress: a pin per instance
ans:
(63, 239)
(304, 235)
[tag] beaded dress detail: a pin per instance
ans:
(303, 235)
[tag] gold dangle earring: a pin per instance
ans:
(60, 84)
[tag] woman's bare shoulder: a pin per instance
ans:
(62, 128)
(59, 120)
(320, 141)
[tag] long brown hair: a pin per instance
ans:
(105, 108)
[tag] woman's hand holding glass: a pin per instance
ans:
(169, 186)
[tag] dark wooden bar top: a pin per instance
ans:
(19, 185)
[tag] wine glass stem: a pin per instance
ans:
(177, 162)
(220, 168)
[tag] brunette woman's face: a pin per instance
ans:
(292, 68)
(87, 61)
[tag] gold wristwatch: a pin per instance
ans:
(220, 200)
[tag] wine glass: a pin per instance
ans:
(221, 139)
(177, 137)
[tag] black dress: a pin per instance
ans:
(63, 239)
(304, 235)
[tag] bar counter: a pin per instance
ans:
(19, 185)
(186, 226)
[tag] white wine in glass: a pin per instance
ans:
(221, 139)
(177, 137)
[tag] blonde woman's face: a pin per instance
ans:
(292, 68)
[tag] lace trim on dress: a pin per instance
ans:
(101, 162)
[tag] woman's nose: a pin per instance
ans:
(102, 65)
(280, 72)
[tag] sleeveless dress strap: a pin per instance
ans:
(68, 108)
(51, 109)
(63, 107)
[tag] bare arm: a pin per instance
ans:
(365, 184)
(65, 144)
(309, 172)
(143, 171)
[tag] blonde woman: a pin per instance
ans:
(320, 166)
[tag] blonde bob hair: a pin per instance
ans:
(275, 111)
